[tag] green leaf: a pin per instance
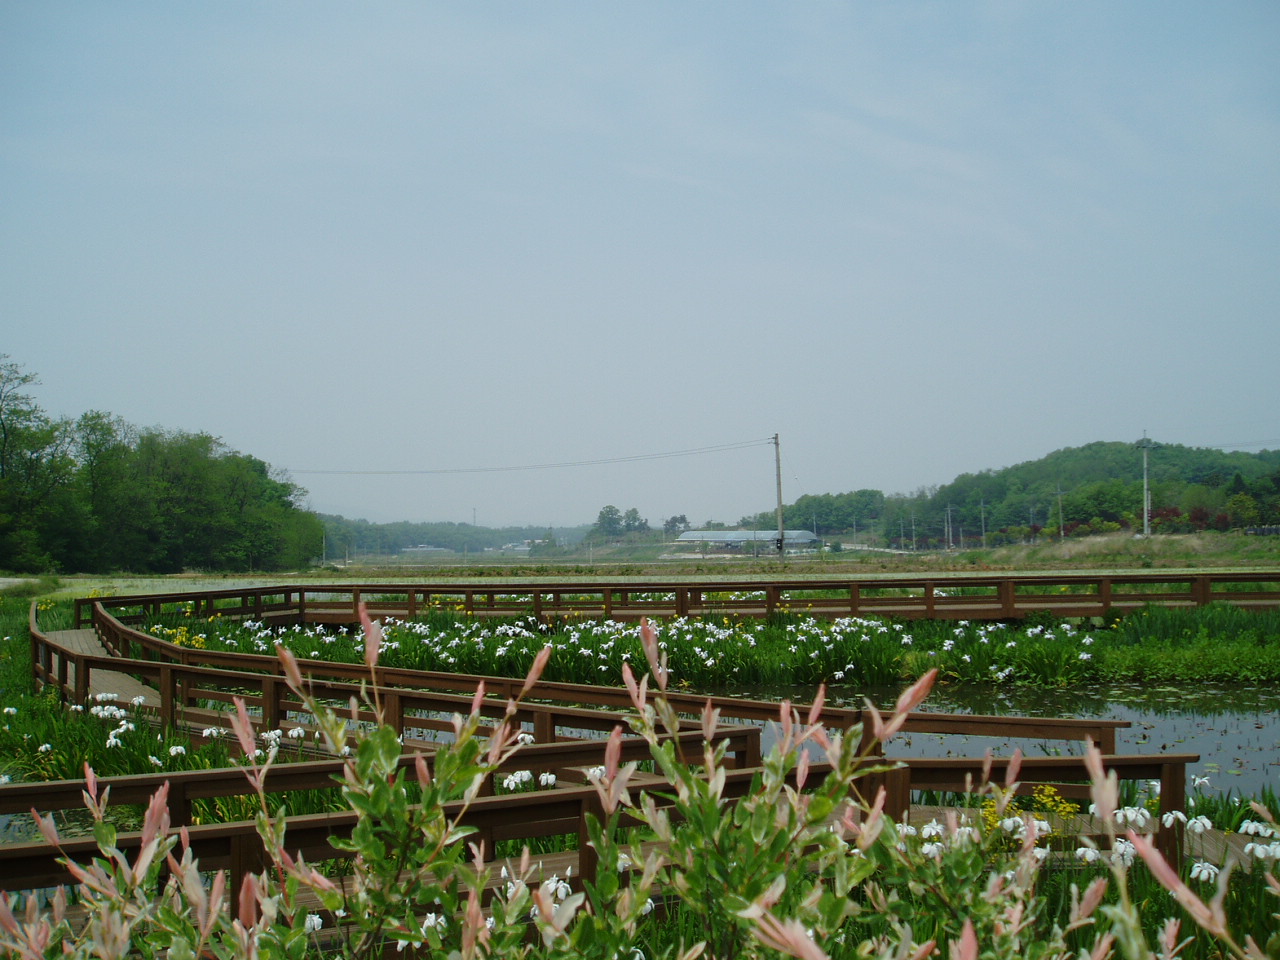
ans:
(105, 835)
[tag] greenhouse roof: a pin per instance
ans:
(745, 536)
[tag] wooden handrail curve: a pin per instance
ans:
(237, 847)
(120, 637)
(940, 596)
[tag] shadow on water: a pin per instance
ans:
(1234, 728)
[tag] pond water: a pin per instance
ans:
(1234, 728)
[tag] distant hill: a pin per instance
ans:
(346, 537)
(1093, 488)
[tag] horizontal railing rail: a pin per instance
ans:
(237, 847)
(566, 760)
(931, 596)
(1070, 777)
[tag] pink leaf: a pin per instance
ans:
(248, 912)
(966, 948)
(243, 729)
(613, 753)
(1169, 879)
(788, 937)
(1015, 766)
(815, 711)
(372, 637)
(914, 695)
(657, 663)
(289, 664)
(535, 671)
(47, 829)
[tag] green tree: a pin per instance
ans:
(609, 522)
(1243, 510)
(632, 522)
(35, 470)
(674, 526)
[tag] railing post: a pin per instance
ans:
(897, 788)
(772, 595)
(168, 712)
(1173, 796)
(179, 805)
(1106, 740)
(588, 857)
(855, 598)
(1104, 595)
(1201, 590)
(928, 599)
(82, 680)
(1008, 599)
(544, 726)
(247, 857)
(393, 710)
(751, 755)
(270, 703)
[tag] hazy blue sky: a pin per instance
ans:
(914, 239)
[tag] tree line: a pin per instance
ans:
(346, 538)
(1076, 491)
(98, 495)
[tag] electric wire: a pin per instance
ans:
(717, 448)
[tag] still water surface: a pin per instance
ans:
(1234, 728)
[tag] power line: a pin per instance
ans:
(543, 466)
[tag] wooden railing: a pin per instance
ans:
(930, 596)
(238, 848)
(406, 692)
(418, 703)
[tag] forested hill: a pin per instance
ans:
(1113, 460)
(1091, 489)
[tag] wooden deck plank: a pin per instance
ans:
(104, 683)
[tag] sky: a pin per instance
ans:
(416, 242)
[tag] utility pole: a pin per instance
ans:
(982, 507)
(1145, 445)
(1062, 523)
(777, 466)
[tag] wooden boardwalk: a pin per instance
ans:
(172, 681)
(929, 596)
(103, 684)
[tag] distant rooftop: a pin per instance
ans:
(745, 536)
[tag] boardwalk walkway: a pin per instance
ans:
(104, 680)
(103, 683)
